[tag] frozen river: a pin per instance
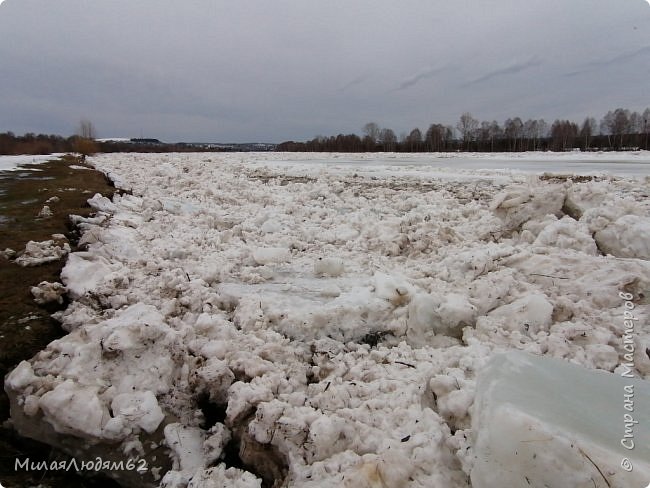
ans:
(627, 164)
(328, 318)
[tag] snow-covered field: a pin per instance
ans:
(12, 163)
(329, 315)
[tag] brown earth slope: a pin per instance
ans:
(25, 327)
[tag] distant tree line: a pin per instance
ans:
(11, 144)
(85, 143)
(618, 130)
(33, 144)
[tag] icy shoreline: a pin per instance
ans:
(336, 315)
(15, 163)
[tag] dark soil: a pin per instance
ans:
(25, 327)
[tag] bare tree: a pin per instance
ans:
(85, 141)
(636, 123)
(388, 139)
(372, 131)
(616, 124)
(467, 126)
(487, 133)
(542, 127)
(86, 129)
(530, 133)
(563, 134)
(414, 140)
(513, 130)
(587, 131)
(646, 126)
(437, 137)
(496, 132)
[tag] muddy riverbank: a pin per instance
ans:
(64, 185)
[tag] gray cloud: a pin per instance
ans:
(508, 70)
(355, 82)
(623, 58)
(212, 70)
(422, 75)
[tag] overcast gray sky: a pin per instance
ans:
(274, 70)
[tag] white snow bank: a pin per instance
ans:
(13, 163)
(101, 203)
(545, 422)
(85, 272)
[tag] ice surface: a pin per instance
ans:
(12, 163)
(71, 409)
(627, 237)
(329, 314)
(546, 422)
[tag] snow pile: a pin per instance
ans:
(532, 413)
(8, 253)
(45, 212)
(517, 205)
(435, 314)
(47, 292)
(567, 233)
(324, 323)
(37, 253)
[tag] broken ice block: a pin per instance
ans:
(541, 421)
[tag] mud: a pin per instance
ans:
(25, 327)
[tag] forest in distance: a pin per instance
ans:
(618, 130)
(30, 143)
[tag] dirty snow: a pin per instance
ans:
(36, 253)
(333, 313)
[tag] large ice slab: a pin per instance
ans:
(540, 421)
